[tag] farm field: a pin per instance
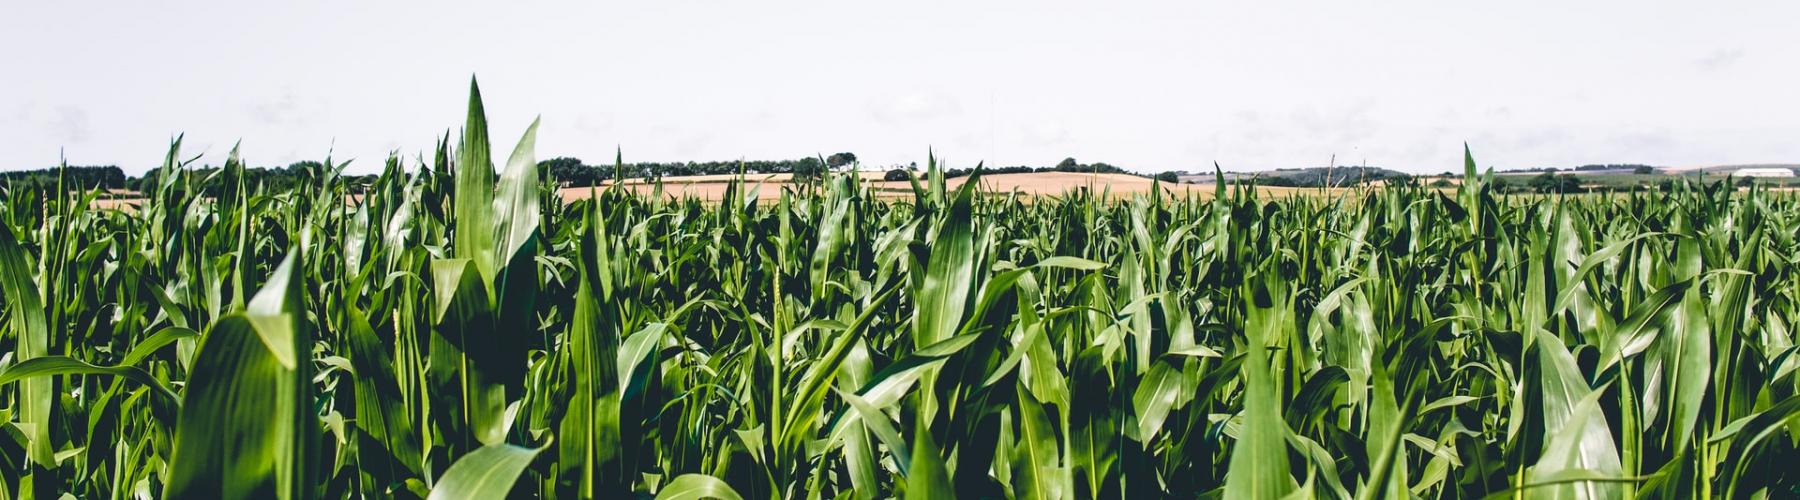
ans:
(462, 331)
(1038, 184)
(713, 188)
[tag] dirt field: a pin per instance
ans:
(712, 187)
(130, 204)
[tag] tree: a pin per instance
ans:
(1548, 182)
(1644, 170)
(895, 175)
(567, 171)
(1068, 164)
(1169, 177)
(808, 167)
(77, 177)
(1273, 180)
(840, 159)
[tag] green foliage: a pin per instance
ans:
(456, 332)
(1549, 182)
(77, 177)
(837, 160)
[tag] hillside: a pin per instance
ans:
(1305, 177)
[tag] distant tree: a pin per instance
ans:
(1169, 177)
(809, 167)
(1068, 164)
(305, 167)
(1272, 180)
(1644, 170)
(1548, 182)
(567, 171)
(840, 159)
(76, 177)
(895, 175)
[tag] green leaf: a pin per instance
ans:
(1686, 352)
(31, 334)
(1641, 327)
(877, 422)
(696, 487)
(515, 206)
(62, 365)
(1259, 460)
(487, 472)
(949, 275)
(147, 347)
(928, 477)
(1156, 395)
(637, 356)
(475, 189)
(465, 366)
(247, 424)
(1036, 461)
(380, 410)
(1076, 263)
(1583, 443)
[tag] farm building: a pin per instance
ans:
(1762, 172)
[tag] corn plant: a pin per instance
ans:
(449, 331)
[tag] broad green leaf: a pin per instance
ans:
(1259, 460)
(147, 347)
(928, 477)
(48, 366)
(31, 336)
(1156, 395)
(1583, 443)
(949, 275)
(247, 424)
(1035, 458)
(487, 472)
(697, 487)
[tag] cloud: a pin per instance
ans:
(593, 122)
(1346, 124)
(285, 110)
(1719, 59)
(683, 142)
(1659, 141)
(914, 106)
(1045, 133)
(69, 124)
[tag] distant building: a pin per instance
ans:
(1762, 172)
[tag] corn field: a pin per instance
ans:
(453, 332)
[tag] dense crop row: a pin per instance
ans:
(454, 333)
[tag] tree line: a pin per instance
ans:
(565, 171)
(75, 176)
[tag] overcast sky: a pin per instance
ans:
(1148, 86)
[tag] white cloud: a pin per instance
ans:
(69, 124)
(913, 106)
(1719, 59)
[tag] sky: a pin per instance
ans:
(1150, 86)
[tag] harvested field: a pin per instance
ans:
(713, 187)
